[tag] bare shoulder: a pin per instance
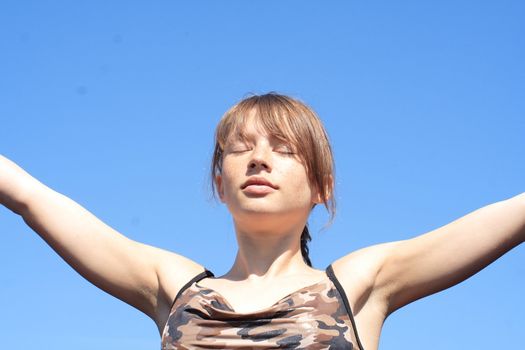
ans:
(360, 276)
(173, 272)
(358, 271)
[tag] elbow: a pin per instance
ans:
(21, 202)
(17, 204)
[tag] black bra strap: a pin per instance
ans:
(203, 274)
(331, 275)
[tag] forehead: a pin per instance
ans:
(249, 128)
(254, 123)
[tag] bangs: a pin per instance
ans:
(290, 121)
(271, 117)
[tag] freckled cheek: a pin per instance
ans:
(228, 185)
(302, 193)
(232, 177)
(298, 183)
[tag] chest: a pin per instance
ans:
(313, 317)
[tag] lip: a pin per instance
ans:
(258, 182)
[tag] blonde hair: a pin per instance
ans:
(294, 122)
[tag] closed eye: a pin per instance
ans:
(238, 149)
(238, 146)
(284, 149)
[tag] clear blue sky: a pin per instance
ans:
(114, 104)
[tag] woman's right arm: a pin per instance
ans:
(143, 276)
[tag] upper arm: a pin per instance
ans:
(437, 260)
(143, 276)
(387, 276)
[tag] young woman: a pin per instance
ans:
(272, 164)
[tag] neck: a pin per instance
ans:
(268, 253)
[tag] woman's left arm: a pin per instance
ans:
(417, 267)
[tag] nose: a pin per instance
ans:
(261, 159)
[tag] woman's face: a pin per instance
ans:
(263, 176)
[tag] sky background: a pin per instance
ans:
(114, 104)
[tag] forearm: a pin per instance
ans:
(16, 186)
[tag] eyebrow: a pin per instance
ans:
(234, 137)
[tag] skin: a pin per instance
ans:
(268, 225)
(378, 279)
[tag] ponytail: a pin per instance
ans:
(305, 238)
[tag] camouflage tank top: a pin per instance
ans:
(314, 317)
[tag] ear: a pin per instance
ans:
(316, 195)
(220, 189)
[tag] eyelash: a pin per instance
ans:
(280, 149)
(286, 152)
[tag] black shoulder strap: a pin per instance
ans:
(331, 275)
(203, 274)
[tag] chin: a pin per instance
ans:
(260, 211)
